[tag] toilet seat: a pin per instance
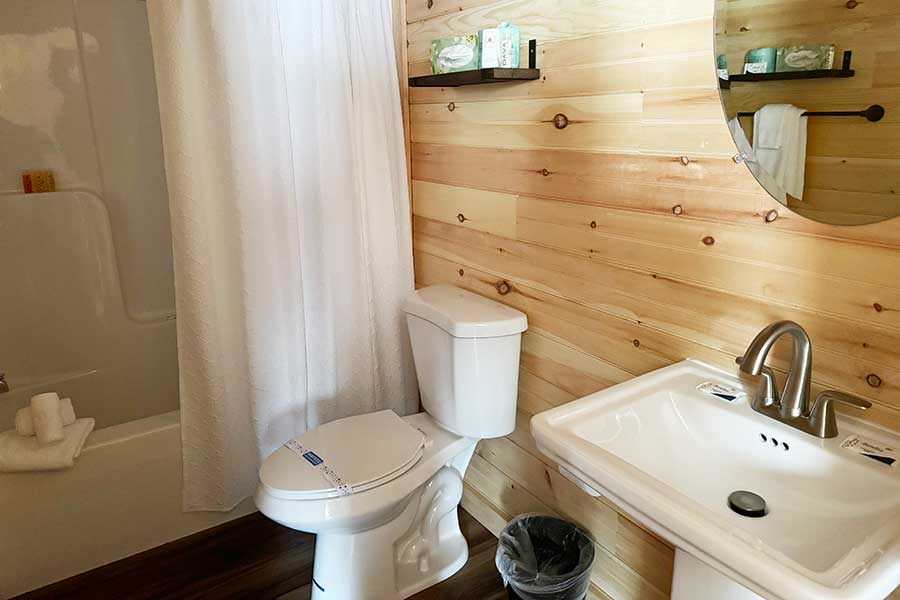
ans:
(343, 457)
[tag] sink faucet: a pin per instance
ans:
(792, 406)
(4, 387)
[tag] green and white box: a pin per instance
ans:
(760, 60)
(499, 46)
(457, 53)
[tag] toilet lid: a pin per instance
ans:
(343, 457)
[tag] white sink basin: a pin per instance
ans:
(670, 456)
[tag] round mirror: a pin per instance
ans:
(811, 91)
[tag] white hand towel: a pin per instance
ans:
(768, 126)
(19, 454)
(779, 141)
(48, 424)
(25, 422)
(749, 155)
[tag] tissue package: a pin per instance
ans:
(452, 54)
(805, 58)
(499, 46)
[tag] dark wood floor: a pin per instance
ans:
(253, 558)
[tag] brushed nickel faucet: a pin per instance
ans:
(4, 387)
(792, 406)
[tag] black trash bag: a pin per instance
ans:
(545, 558)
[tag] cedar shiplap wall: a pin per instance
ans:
(630, 238)
(853, 166)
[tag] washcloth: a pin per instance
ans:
(19, 453)
(779, 141)
(745, 149)
(25, 422)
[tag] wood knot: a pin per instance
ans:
(685, 160)
(451, 107)
(461, 272)
(430, 4)
(545, 172)
(771, 216)
(677, 210)
(503, 287)
(873, 380)
(560, 121)
(593, 224)
(851, 4)
(877, 307)
(709, 240)
(636, 342)
(461, 218)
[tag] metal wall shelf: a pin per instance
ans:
(844, 71)
(479, 76)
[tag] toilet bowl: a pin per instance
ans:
(380, 491)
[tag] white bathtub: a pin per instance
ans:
(122, 497)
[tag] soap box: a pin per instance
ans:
(722, 67)
(760, 60)
(499, 46)
(457, 53)
(804, 58)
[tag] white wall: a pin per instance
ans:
(87, 293)
(78, 95)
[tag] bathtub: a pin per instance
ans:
(122, 497)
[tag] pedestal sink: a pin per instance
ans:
(672, 446)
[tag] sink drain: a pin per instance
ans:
(747, 504)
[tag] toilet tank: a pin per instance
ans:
(466, 351)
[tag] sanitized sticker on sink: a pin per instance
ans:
(872, 449)
(721, 391)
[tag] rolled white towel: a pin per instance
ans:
(48, 424)
(25, 422)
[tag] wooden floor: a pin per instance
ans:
(254, 558)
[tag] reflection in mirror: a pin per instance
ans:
(811, 90)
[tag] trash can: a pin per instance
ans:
(544, 558)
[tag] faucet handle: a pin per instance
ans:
(822, 418)
(767, 393)
(844, 399)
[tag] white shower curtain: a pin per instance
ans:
(285, 163)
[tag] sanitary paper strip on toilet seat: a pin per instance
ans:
(320, 465)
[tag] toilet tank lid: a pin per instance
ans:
(464, 314)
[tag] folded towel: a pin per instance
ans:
(48, 424)
(768, 125)
(779, 140)
(19, 453)
(25, 422)
(749, 155)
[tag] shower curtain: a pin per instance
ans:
(290, 215)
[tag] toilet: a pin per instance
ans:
(381, 491)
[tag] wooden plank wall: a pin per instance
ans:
(630, 238)
(853, 166)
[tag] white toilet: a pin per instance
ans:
(381, 491)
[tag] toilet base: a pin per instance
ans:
(420, 547)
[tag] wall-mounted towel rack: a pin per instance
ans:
(874, 113)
